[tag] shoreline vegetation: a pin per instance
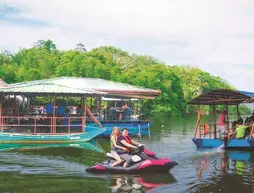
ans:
(177, 83)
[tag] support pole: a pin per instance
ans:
(197, 130)
(15, 107)
(139, 130)
(214, 122)
(149, 131)
(54, 115)
(99, 104)
(228, 121)
(252, 131)
(139, 110)
(83, 113)
(238, 112)
(35, 126)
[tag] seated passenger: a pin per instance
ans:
(125, 141)
(130, 143)
(113, 140)
(240, 130)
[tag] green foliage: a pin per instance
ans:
(177, 84)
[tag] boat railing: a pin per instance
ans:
(207, 131)
(43, 124)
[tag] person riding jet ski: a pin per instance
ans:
(139, 160)
(125, 141)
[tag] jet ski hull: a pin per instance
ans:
(147, 166)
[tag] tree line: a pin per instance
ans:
(178, 84)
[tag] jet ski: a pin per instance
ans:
(139, 163)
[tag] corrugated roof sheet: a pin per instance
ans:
(47, 88)
(3, 84)
(222, 96)
(96, 84)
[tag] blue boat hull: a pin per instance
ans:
(19, 138)
(233, 143)
(133, 128)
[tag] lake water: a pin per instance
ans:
(62, 169)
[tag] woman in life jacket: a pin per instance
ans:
(125, 141)
(113, 141)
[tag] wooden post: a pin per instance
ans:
(139, 109)
(15, 108)
(83, 114)
(238, 112)
(54, 115)
(69, 125)
(35, 125)
(214, 122)
(84, 117)
(28, 105)
(197, 129)
(252, 131)
(228, 121)
(99, 104)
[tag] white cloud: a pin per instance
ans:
(215, 35)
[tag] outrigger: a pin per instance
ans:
(210, 135)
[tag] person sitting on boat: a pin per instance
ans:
(223, 124)
(240, 130)
(113, 140)
(125, 141)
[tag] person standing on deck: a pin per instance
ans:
(223, 124)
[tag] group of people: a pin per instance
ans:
(121, 145)
(113, 113)
(240, 129)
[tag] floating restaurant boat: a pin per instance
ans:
(20, 123)
(209, 135)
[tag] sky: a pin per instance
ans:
(215, 35)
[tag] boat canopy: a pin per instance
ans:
(84, 86)
(222, 96)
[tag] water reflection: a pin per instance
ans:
(142, 183)
(229, 171)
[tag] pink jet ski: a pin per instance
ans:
(139, 164)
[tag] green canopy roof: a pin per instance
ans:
(47, 89)
(93, 84)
